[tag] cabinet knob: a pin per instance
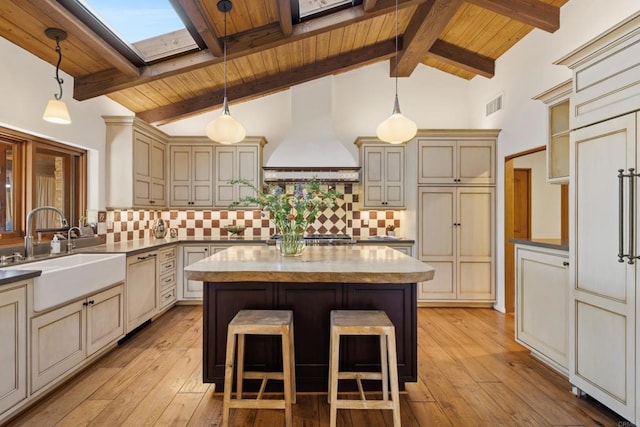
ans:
(565, 263)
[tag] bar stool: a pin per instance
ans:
(364, 322)
(260, 322)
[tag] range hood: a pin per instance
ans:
(311, 147)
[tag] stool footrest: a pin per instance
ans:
(256, 404)
(359, 375)
(253, 375)
(362, 404)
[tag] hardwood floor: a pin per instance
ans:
(472, 373)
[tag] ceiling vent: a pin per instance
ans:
(494, 105)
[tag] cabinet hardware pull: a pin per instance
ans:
(632, 203)
(142, 258)
(85, 303)
(92, 302)
(621, 254)
(168, 280)
(565, 263)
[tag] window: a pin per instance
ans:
(37, 173)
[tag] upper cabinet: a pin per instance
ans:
(242, 160)
(557, 101)
(459, 157)
(383, 174)
(136, 163)
(191, 173)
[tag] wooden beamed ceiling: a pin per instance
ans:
(267, 52)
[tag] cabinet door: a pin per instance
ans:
(105, 318)
(373, 177)
(437, 244)
(13, 350)
(158, 174)
(142, 148)
(602, 361)
(248, 169)
(475, 247)
(192, 289)
(202, 176)
(437, 162)
(226, 170)
(475, 162)
(394, 177)
(57, 343)
(141, 289)
(542, 303)
(180, 176)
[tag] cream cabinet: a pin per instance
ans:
(191, 175)
(136, 163)
(167, 275)
(193, 289)
(61, 339)
(141, 289)
(13, 350)
(237, 161)
(382, 174)
(542, 304)
(456, 233)
(458, 157)
(557, 101)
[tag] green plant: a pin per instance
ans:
(290, 212)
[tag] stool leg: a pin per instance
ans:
(293, 363)
(384, 367)
(393, 368)
(333, 373)
(228, 377)
(240, 366)
(286, 373)
(330, 368)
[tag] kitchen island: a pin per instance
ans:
(322, 279)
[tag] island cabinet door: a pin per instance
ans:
(311, 304)
(399, 302)
(222, 301)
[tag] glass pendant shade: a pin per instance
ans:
(225, 129)
(56, 112)
(397, 128)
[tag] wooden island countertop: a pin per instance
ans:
(327, 264)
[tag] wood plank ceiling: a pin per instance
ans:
(267, 52)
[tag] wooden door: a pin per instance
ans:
(158, 174)
(373, 177)
(394, 177)
(141, 169)
(105, 318)
(248, 168)
(13, 350)
(437, 231)
(226, 169)
(142, 289)
(522, 203)
(476, 162)
(475, 230)
(603, 290)
(437, 160)
(180, 175)
(202, 175)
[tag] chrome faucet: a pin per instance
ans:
(28, 238)
(70, 245)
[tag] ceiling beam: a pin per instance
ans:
(72, 25)
(463, 58)
(270, 84)
(284, 10)
(202, 24)
(424, 29)
(259, 40)
(532, 12)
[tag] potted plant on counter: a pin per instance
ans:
(292, 213)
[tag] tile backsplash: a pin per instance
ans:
(344, 217)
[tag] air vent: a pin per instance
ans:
(494, 105)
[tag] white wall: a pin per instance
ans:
(525, 71)
(545, 197)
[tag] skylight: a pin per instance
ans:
(314, 7)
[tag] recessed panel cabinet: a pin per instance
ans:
(13, 347)
(191, 177)
(141, 289)
(237, 161)
(382, 174)
(456, 237)
(192, 289)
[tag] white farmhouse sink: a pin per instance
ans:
(67, 278)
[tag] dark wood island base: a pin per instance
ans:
(324, 278)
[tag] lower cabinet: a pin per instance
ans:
(192, 289)
(141, 289)
(13, 345)
(63, 338)
(167, 275)
(542, 304)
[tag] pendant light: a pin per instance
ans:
(397, 128)
(225, 129)
(56, 111)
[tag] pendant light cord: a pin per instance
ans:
(57, 77)
(396, 68)
(225, 107)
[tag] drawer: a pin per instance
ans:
(167, 265)
(168, 254)
(167, 280)
(167, 297)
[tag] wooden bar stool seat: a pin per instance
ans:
(259, 322)
(364, 322)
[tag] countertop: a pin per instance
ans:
(11, 276)
(558, 244)
(333, 264)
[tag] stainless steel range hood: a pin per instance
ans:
(311, 146)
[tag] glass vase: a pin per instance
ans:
(291, 244)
